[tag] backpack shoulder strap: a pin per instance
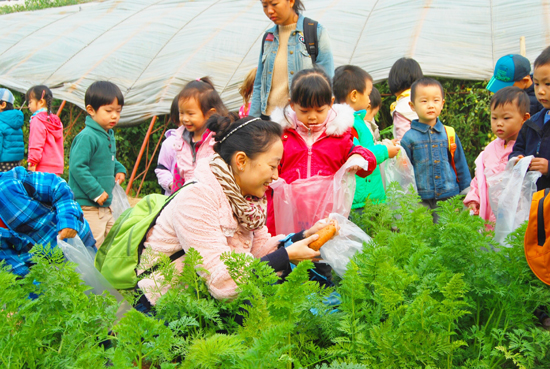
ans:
(310, 38)
(263, 42)
(451, 139)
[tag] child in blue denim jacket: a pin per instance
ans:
(427, 147)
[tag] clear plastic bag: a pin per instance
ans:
(120, 201)
(510, 195)
(300, 204)
(338, 251)
(75, 251)
(399, 169)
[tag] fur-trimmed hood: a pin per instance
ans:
(339, 120)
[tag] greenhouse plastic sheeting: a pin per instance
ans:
(151, 49)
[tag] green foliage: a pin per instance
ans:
(37, 4)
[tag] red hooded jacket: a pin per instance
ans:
(46, 143)
(330, 148)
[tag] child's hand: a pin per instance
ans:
(540, 165)
(354, 169)
(102, 198)
(320, 225)
(67, 233)
(32, 168)
(474, 207)
(120, 177)
(393, 151)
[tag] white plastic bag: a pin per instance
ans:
(399, 169)
(510, 195)
(338, 251)
(300, 204)
(75, 251)
(120, 201)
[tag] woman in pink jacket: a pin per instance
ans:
(46, 152)
(225, 209)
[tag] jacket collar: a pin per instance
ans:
(361, 114)
(339, 120)
(96, 127)
(421, 127)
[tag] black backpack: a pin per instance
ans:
(310, 39)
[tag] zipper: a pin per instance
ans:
(310, 151)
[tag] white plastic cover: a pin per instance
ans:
(151, 49)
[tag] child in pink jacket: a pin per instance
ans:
(167, 156)
(46, 153)
(509, 110)
(197, 102)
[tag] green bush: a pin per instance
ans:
(419, 296)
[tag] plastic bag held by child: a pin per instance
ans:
(120, 201)
(300, 204)
(338, 251)
(510, 194)
(75, 251)
(399, 169)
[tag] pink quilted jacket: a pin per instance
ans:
(200, 217)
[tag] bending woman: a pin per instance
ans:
(284, 55)
(225, 210)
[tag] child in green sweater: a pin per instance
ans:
(353, 86)
(93, 168)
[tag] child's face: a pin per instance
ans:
(506, 121)
(311, 116)
(191, 116)
(428, 104)
(541, 78)
(35, 104)
(371, 113)
(360, 100)
(107, 116)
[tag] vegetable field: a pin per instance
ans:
(419, 296)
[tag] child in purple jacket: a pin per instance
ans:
(167, 156)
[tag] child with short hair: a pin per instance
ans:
(93, 168)
(12, 145)
(46, 151)
(197, 102)
(427, 146)
(246, 90)
(509, 110)
(402, 75)
(534, 136)
(167, 156)
(353, 86)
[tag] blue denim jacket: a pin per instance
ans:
(298, 59)
(428, 150)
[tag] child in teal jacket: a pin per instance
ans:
(93, 168)
(353, 86)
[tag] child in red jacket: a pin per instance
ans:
(46, 153)
(317, 135)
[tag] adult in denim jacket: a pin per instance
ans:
(428, 150)
(284, 13)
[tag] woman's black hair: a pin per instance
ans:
(511, 95)
(403, 73)
(41, 92)
(102, 93)
(298, 6)
(348, 78)
(9, 105)
(311, 88)
(252, 139)
(203, 91)
(175, 111)
(375, 98)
